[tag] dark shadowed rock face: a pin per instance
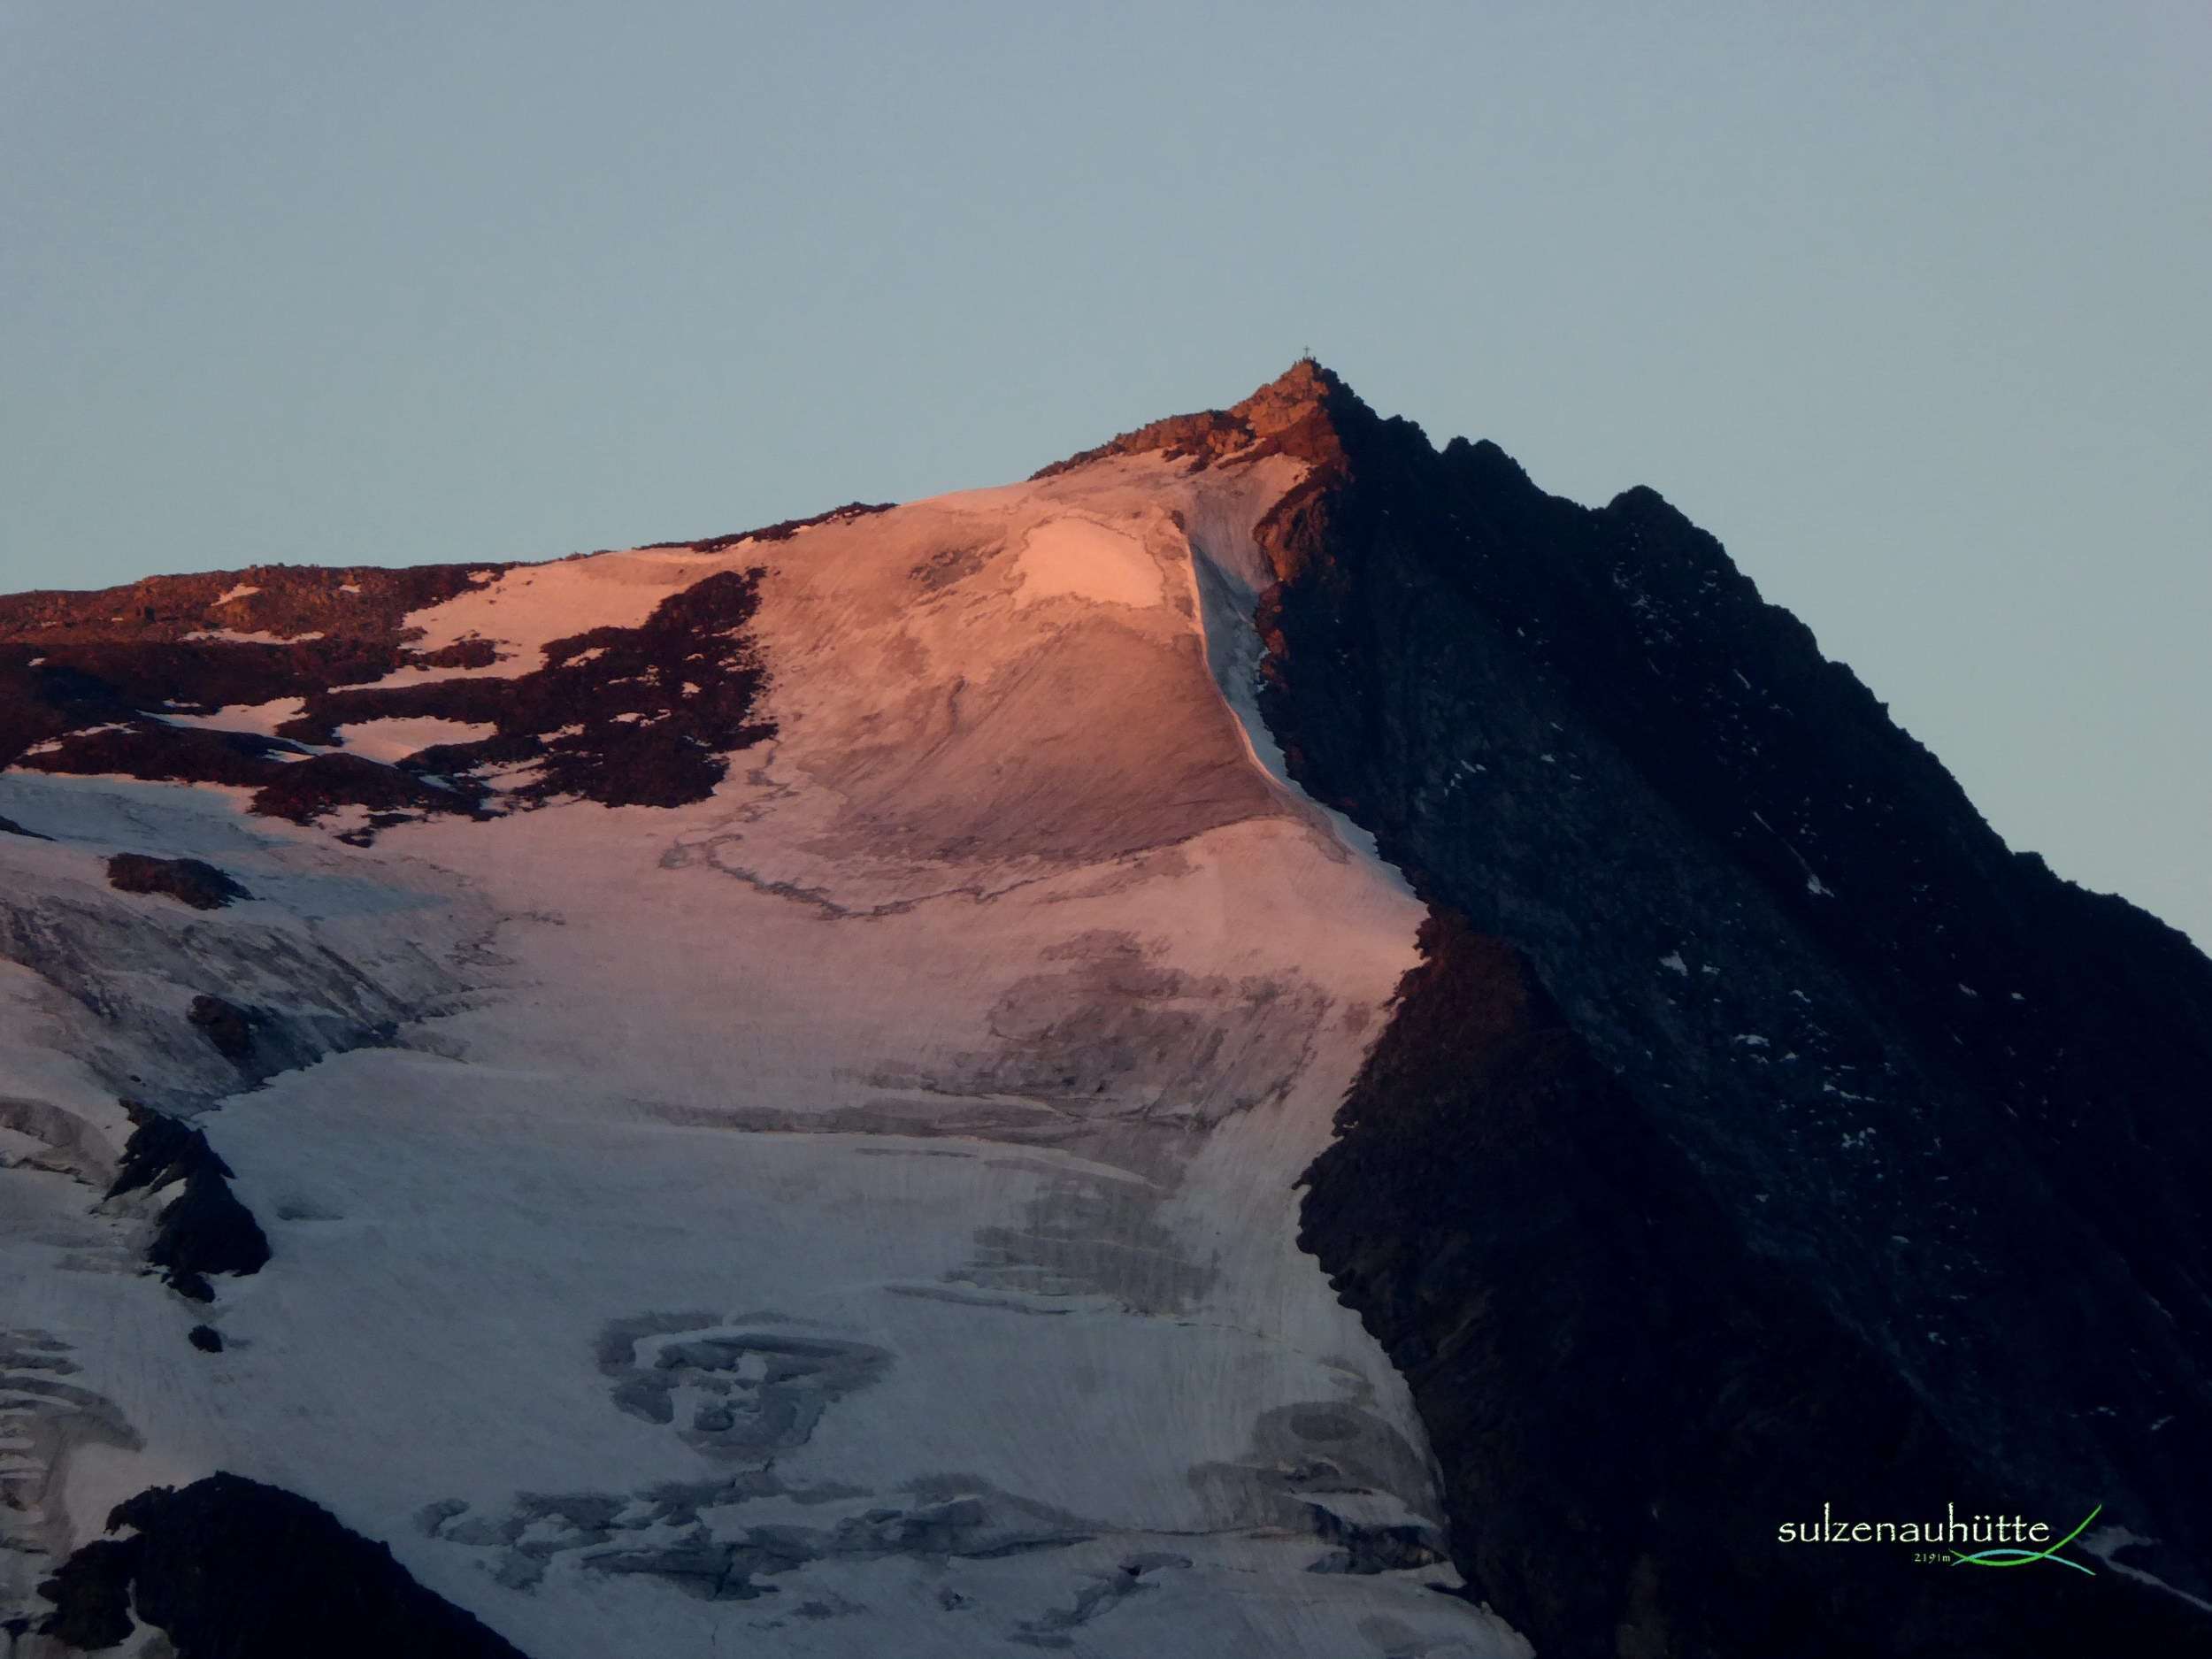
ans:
(203, 1229)
(206, 1230)
(1627, 1402)
(227, 1027)
(189, 881)
(227, 1568)
(1761, 1133)
(91, 1593)
(162, 1149)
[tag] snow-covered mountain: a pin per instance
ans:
(1268, 1043)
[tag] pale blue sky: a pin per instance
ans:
(1907, 304)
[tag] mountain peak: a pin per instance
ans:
(1344, 917)
(1297, 413)
(1304, 386)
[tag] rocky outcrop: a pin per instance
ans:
(228, 1568)
(90, 673)
(228, 1028)
(318, 622)
(203, 1229)
(1289, 416)
(782, 530)
(91, 1593)
(120, 683)
(189, 881)
(626, 717)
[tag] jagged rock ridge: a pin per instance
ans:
(1932, 1115)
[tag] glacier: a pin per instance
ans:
(857, 1209)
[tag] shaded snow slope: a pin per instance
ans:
(851, 1210)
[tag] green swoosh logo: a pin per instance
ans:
(2023, 1558)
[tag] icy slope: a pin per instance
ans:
(850, 1209)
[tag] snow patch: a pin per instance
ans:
(395, 738)
(260, 719)
(1079, 558)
